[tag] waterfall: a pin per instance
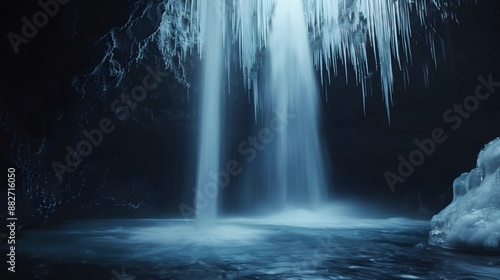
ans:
(207, 191)
(278, 45)
(372, 39)
(296, 172)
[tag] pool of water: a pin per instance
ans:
(295, 247)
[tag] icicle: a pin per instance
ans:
(426, 75)
(255, 97)
(340, 31)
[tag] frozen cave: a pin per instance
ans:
(472, 220)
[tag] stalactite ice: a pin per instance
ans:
(339, 31)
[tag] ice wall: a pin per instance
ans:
(472, 220)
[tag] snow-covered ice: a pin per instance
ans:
(472, 220)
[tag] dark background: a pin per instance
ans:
(146, 166)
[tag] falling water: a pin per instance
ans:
(295, 170)
(206, 198)
(292, 96)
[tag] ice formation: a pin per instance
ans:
(472, 220)
(342, 31)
